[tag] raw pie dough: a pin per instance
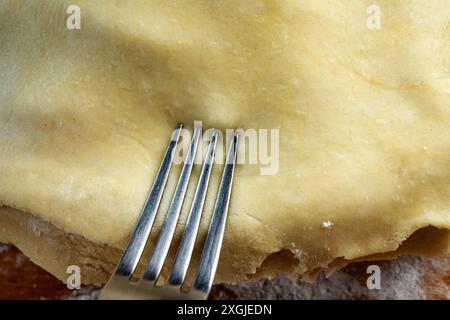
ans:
(364, 119)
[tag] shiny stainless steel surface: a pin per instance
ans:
(120, 285)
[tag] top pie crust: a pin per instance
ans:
(364, 120)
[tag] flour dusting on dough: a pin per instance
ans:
(4, 248)
(327, 224)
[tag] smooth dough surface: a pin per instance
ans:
(364, 120)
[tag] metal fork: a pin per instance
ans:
(120, 285)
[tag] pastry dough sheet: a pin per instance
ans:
(364, 120)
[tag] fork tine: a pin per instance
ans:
(186, 246)
(136, 245)
(213, 243)
(165, 237)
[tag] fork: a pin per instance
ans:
(121, 285)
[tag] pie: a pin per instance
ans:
(363, 116)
